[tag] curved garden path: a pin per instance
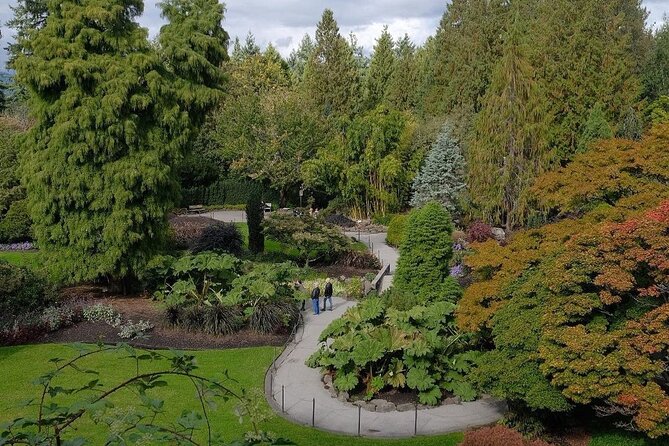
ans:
(298, 389)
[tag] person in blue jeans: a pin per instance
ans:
(315, 299)
(327, 293)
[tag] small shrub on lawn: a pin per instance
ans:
(219, 237)
(396, 230)
(354, 289)
(55, 318)
(498, 436)
(479, 232)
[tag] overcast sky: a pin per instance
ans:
(284, 22)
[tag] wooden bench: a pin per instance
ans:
(196, 209)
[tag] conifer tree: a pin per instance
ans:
(509, 147)
(254, 219)
(112, 118)
(297, 61)
(331, 77)
(596, 127)
(380, 69)
(403, 86)
(656, 71)
(28, 16)
(441, 178)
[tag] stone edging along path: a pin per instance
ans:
(297, 393)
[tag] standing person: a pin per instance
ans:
(315, 299)
(327, 293)
(301, 292)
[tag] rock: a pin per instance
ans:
(499, 234)
(453, 400)
(366, 287)
(406, 407)
(359, 403)
(423, 407)
(343, 397)
(386, 407)
(327, 379)
(333, 392)
(369, 407)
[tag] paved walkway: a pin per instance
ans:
(226, 216)
(386, 254)
(303, 390)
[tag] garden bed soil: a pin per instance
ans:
(140, 307)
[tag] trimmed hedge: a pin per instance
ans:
(15, 226)
(225, 192)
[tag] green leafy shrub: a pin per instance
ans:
(102, 313)
(396, 230)
(423, 268)
(314, 239)
(375, 346)
(218, 294)
(21, 291)
(354, 288)
(15, 226)
(219, 237)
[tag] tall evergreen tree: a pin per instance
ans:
(403, 85)
(299, 57)
(596, 127)
(442, 177)
(656, 71)
(509, 147)
(254, 217)
(380, 69)
(332, 80)
(28, 16)
(112, 118)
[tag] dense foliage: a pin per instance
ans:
(442, 176)
(314, 239)
(113, 115)
(220, 237)
(574, 309)
(255, 214)
(217, 294)
(397, 230)
(21, 291)
(423, 269)
(15, 224)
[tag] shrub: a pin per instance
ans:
(102, 313)
(130, 330)
(423, 268)
(255, 214)
(354, 288)
(21, 291)
(498, 436)
(15, 226)
(359, 259)
(396, 230)
(479, 232)
(375, 347)
(314, 239)
(219, 237)
(215, 319)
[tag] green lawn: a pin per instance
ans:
(20, 365)
(27, 259)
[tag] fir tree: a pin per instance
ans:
(403, 86)
(656, 71)
(509, 148)
(112, 118)
(331, 76)
(28, 16)
(596, 127)
(441, 178)
(299, 57)
(380, 69)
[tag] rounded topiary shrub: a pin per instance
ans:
(21, 291)
(220, 237)
(423, 269)
(396, 230)
(15, 225)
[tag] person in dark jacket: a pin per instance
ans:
(315, 299)
(327, 293)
